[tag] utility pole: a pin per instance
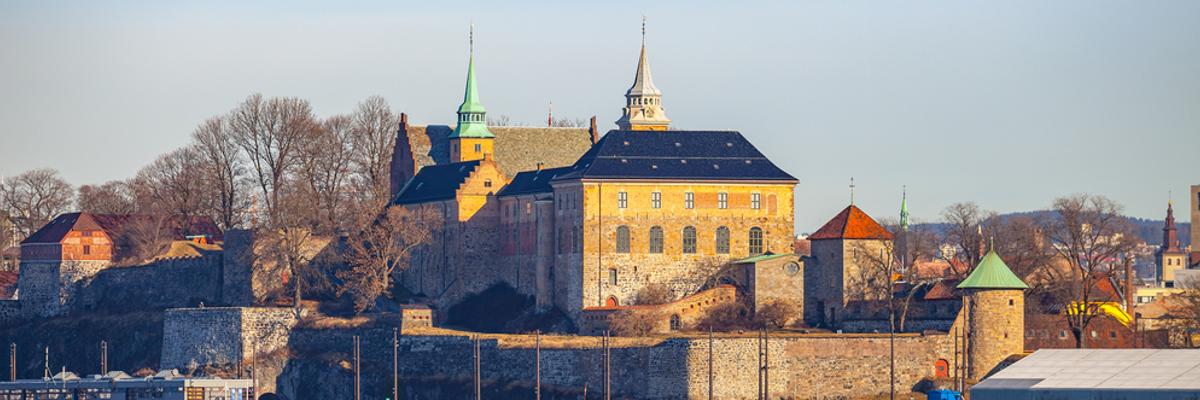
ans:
(710, 363)
(607, 367)
(766, 363)
(537, 365)
(478, 378)
(395, 363)
(46, 373)
(357, 369)
(12, 362)
(103, 357)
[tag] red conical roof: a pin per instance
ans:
(851, 223)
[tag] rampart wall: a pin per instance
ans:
(164, 283)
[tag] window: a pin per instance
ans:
(656, 200)
(656, 240)
(676, 323)
(622, 239)
(87, 250)
(487, 183)
(755, 201)
(612, 276)
(689, 240)
(722, 240)
(1010, 302)
(1112, 334)
(756, 241)
(722, 200)
(622, 200)
(1062, 334)
(689, 200)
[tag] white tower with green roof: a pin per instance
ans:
(471, 139)
(995, 315)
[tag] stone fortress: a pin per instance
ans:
(581, 225)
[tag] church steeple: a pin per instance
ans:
(471, 139)
(643, 101)
(1170, 235)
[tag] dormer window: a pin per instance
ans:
(487, 182)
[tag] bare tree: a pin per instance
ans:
(373, 138)
(172, 185)
(143, 237)
(500, 120)
(654, 293)
(113, 197)
(965, 233)
(271, 132)
(323, 166)
(226, 170)
(291, 243)
(569, 123)
(1093, 239)
(33, 198)
(382, 248)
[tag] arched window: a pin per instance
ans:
(622, 239)
(689, 240)
(656, 240)
(756, 241)
(676, 323)
(722, 240)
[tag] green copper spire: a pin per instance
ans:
(904, 209)
(992, 273)
(472, 117)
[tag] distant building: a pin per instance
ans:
(1195, 211)
(1169, 257)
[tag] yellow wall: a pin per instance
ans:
(463, 149)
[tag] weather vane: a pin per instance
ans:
(852, 190)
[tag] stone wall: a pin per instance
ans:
(223, 336)
(164, 283)
(996, 319)
(50, 288)
(800, 366)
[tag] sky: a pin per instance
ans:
(1007, 104)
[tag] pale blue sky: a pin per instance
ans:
(1009, 103)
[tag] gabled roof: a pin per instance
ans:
(437, 182)
(537, 181)
(112, 224)
(992, 273)
(676, 155)
(851, 223)
(518, 148)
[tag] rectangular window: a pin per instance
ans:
(87, 250)
(622, 200)
(689, 200)
(755, 202)
(656, 200)
(722, 200)
(478, 147)
(612, 276)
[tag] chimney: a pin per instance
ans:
(540, 165)
(593, 132)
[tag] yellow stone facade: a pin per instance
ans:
(609, 274)
(471, 149)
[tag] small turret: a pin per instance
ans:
(995, 307)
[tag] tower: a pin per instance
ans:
(471, 139)
(902, 251)
(1169, 257)
(643, 101)
(995, 307)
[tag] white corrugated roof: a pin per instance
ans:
(1105, 369)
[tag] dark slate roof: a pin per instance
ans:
(112, 224)
(436, 182)
(532, 181)
(683, 155)
(517, 148)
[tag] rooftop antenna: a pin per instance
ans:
(852, 190)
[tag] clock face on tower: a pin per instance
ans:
(649, 112)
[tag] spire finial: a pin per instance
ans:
(471, 38)
(643, 30)
(852, 190)
(550, 115)
(1170, 198)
